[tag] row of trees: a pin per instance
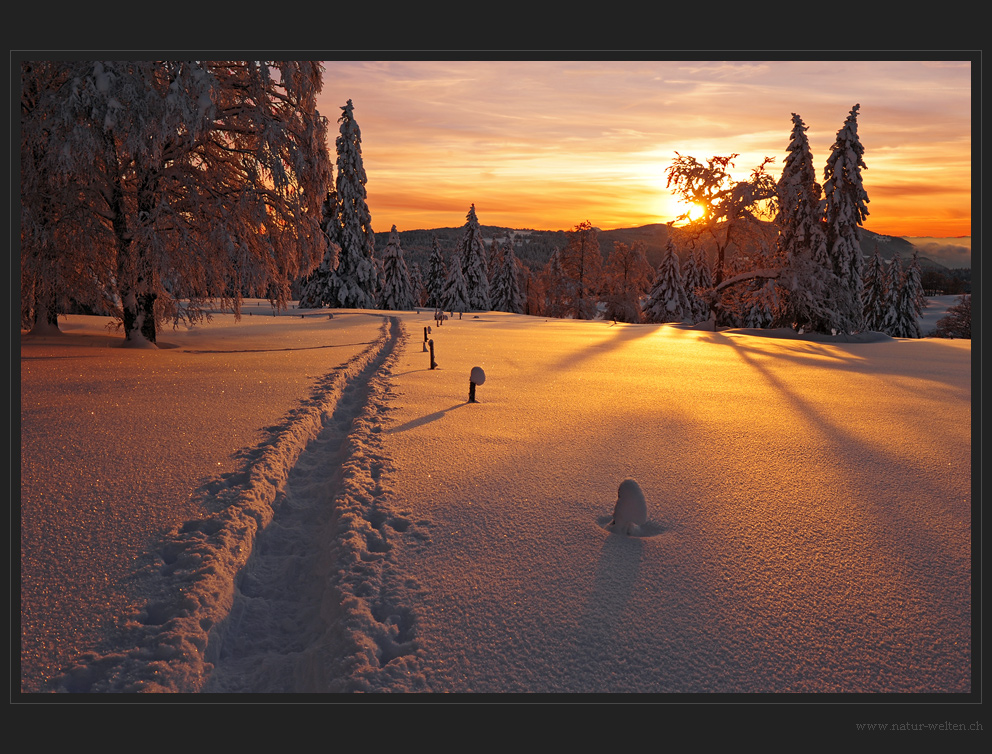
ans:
(151, 187)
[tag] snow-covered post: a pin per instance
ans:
(427, 329)
(431, 344)
(631, 510)
(477, 377)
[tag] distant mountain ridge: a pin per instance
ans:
(535, 246)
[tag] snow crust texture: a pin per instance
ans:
(286, 588)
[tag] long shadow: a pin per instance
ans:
(424, 419)
(624, 334)
(862, 456)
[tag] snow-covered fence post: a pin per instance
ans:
(431, 343)
(477, 377)
(427, 329)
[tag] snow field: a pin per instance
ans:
(809, 505)
(808, 509)
(121, 446)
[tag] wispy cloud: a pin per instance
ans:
(470, 131)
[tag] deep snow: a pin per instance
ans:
(809, 509)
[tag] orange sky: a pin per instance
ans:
(547, 145)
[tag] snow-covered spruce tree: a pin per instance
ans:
(889, 321)
(697, 278)
(454, 297)
(396, 291)
(417, 288)
(667, 301)
(802, 240)
(907, 304)
(846, 210)
(507, 296)
(316, 287)
(582, 262)
(471, 254)
(494, 262)
(211, 176)
(956, 323)
(354, 283)
(915, 273)
(627, 276)
(437, 274)
(874, 293)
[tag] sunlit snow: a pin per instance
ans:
(301, 503)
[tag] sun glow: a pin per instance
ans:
(693, 210)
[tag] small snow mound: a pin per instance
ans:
(631, 507)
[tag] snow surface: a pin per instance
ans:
(808, 500)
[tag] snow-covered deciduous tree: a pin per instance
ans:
(354, 284)
(455, 297)
(582, 261)
(732, 210)
(802, 240)
(557, 287)
(507, 296)
(66, 255)
(627, 276)
(874, 293)
(956, 323)
(437, 274)
(396, 290)
(667, 301)
(846, 210)
(205, 179)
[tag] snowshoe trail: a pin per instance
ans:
(291, 586)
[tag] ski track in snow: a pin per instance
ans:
(290, 586)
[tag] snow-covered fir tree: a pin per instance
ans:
(471, 254)
(846, 210)
(874, 293)
(493, 262)
(908, 303)
(315, 291)
(454, 297)
(417, 287)
(396, 293)
(802, 242)
(437, 274)
(667, 300)
(507, 296)
(698, 277)
(355, 281)
(889, 322)
(915, 272)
